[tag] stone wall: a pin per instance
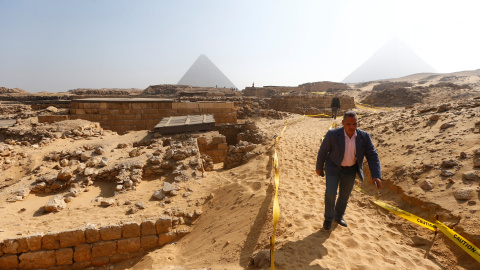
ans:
(269, 91)
(324, 86)
(216, 148)
(303, 104)
(127, 114)
(90, 246)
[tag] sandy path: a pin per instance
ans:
(368, 243)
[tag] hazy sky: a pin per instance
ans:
(57, 45)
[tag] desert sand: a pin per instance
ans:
(427, 152)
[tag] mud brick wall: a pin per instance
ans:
(216, 148)
(297, 104)
(78, 249)
(144, 114)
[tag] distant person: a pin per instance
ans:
(335, 106)
(340, 158)
(253, 84)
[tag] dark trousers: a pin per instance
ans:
(334, 112)
(344, 182)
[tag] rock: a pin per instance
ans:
(107, 202)
(476, 162)
(89, 171)
(85, 156)
(51, 109)
(168, 188)
(434, 117)
(194, 162)
(122, 145)
(93, 162)
(99, 151)
(64, 162)
(159, 194)
(447, 173)
(65, 174)
(261, 259)
(55, 204)
(449, 163)
(140, 205)
(427, 185)
(119, 187)
(443, 107)
(446, 125)
(135, 153)
(179, 156)
(464, 194)
(463, 154)
(472, 176)
(81, 167)
(103, 162)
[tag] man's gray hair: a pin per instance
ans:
(350, 114)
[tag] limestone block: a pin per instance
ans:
(163, 224)
(50, 241)
(9, 262)
(102, 105)
(34, 242)
(222, 146)
(64, 256)
(86, 105)
(219, 139)
(71, 238)
(92, 235)
(166, 238)
(137, 106)
(202, 140)
(128, 245)
(100, 261)
(110, 232)
(81, 265)
(148, 227)
(104, 249)
(148, 242)
(83, 253)
(131, 229)
(37, 259)
(11, 246)
(1, 249)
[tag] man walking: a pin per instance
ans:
(335, 106)
(340, 158)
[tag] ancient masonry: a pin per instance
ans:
(125, 114)
(78, 249)
(309, 104)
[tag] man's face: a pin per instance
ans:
(350, 124)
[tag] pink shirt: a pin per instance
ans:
(350, 155)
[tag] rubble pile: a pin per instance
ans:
(240, 154)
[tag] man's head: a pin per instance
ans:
(350, 122)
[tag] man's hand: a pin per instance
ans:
(377, 182)
(320, 173)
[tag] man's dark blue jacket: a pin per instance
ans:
(332, 150)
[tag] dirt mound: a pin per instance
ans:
(5, 90)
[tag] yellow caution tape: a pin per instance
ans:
(466, 245)
(406, 215)
(321, 114)
(276, 205)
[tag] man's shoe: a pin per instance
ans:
(327, 225)
(341, 222)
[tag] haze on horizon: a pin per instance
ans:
(54, 45)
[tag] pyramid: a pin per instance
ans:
(395, 59)
(204, 73)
